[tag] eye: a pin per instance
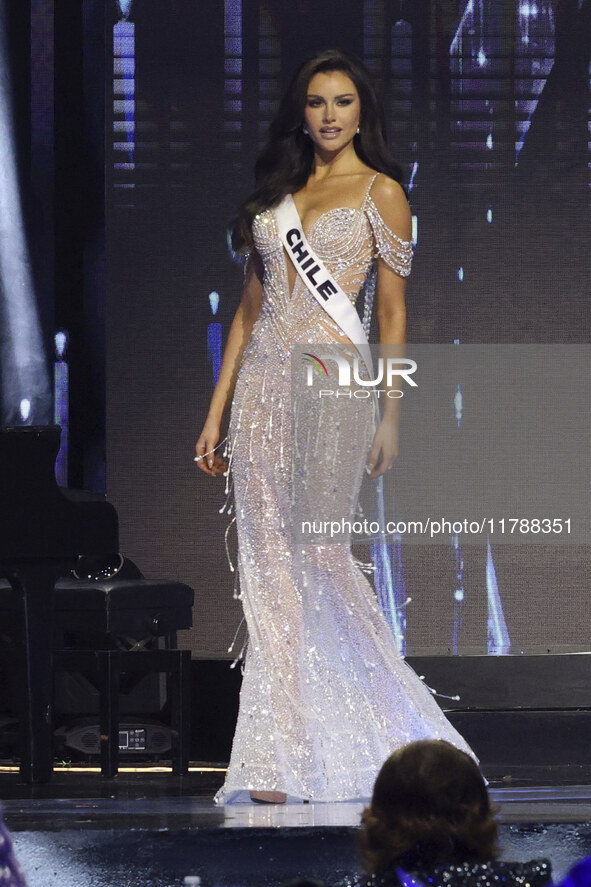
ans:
(314, 103)
(345, 101)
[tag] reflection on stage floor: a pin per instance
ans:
(151, 828)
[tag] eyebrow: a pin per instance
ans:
(345, 95)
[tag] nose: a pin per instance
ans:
(329, 114)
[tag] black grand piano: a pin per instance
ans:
(43, 531)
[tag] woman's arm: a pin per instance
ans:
(240, 330)
(391, 202)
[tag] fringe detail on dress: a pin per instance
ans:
(237, 591)
(236, 633)
(228, 508)
(364, 566)
(228, 528)
(369, 291)
(242, 655)
(435, 693)
(209, 452)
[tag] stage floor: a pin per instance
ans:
(150, 829)
(160, 801)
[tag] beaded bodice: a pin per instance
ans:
(347, 239)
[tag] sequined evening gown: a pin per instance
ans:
(326, 696)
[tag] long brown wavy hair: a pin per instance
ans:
(285, 164)
(429, 807)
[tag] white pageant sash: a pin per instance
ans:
(318, 279)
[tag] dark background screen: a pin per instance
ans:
(487, 106)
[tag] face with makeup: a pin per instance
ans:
(332, 111)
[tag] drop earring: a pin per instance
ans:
(305, 131)
(357, 130)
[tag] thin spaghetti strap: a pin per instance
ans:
(369, 187)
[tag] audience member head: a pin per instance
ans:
(429, 807)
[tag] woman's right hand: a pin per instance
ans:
(207, 460)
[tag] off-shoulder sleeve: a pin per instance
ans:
(395, 252)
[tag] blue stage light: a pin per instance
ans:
(26, 394)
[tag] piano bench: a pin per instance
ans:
(137, 608)
(90, 614)
(106, 667)
(91, 620)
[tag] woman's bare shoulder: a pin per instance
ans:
(387, 190)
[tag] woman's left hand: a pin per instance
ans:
(384, 449)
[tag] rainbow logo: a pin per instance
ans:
(315, 361)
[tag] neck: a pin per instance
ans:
(330, 163)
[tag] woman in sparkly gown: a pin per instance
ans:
(326, 695)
